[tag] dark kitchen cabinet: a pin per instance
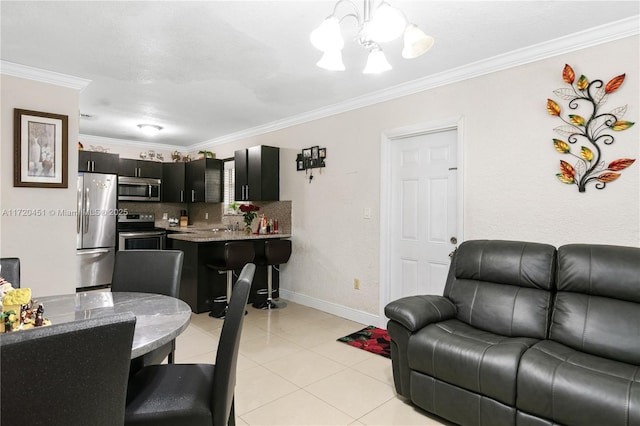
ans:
(140, 168)
(97, 162)
(257, 172)
(173, 183)
(204, 181)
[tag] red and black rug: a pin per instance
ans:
(371, 339)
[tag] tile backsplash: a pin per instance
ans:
(211, 214)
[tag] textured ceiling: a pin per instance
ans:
(207, 69)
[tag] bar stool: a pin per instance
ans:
(276, 252)
(236, 255)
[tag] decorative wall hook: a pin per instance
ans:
(591, 128)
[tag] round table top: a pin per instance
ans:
(159, 319)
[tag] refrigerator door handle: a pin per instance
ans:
(97, 251)
(79, 211)
(86, 211)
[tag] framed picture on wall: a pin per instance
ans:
(300, 162)
(306, 153)
(322, 152)
(40, 149)
(314, 152)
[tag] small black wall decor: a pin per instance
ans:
(586, 125)
(311, 158)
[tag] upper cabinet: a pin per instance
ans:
(204, 181)
(97, 162)
(257, 174)
(173, 183)
(140, 168)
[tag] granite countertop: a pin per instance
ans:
(199, 234)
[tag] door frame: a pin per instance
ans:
(387, 139)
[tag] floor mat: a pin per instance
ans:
(372, 339)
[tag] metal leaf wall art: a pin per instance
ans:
(590, 128)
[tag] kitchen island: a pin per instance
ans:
(200, 286)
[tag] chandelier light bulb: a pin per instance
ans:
(416, 42)
(387, 23)
(327, 36)
(332, 60)
(376, 62)
(149, 129)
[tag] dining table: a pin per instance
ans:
(159, 318)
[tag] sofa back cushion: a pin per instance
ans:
(503, 286)
(597, 307)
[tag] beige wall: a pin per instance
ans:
(510, 188)
(46, 245)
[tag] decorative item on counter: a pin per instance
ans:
(234, 207)
(249, 213)
(184, 219)
(206, 154)
(173, 221)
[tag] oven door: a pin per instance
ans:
(141, 240)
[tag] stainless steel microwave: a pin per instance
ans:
(138, 189)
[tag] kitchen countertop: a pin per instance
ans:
(199, 234)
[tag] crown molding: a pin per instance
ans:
(100, 140)
(43, 76)
(617, 30)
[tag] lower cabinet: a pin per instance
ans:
(200, 285)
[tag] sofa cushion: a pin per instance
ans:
(597, 308)
(503, 286)
(573, 388)
(454, 352)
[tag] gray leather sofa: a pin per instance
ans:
(525, 335)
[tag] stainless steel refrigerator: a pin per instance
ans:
(96, 228)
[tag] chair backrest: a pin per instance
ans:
(10, 270)
(148, 271)
(224, 380)
(238, 253)
(597, 307)
(277, 251)
(67, 374)
(504, 287)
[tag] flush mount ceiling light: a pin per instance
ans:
(385, 23)
(150, 129)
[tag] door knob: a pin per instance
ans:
(453, 240)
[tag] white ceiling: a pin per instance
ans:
(205, 70)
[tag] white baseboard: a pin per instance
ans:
(334, 309)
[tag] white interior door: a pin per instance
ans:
(422, 213)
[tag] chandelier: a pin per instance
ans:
(384, 24)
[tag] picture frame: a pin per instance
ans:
(306, 153)
(314, 152)
(300, 162)
(40, 156)
(322, 152)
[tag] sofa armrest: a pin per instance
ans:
(415, 312)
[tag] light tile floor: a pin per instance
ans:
(292, 371)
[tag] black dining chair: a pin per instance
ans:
(193, 394)
(149, 271)
(10, 270)
(68, 374)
